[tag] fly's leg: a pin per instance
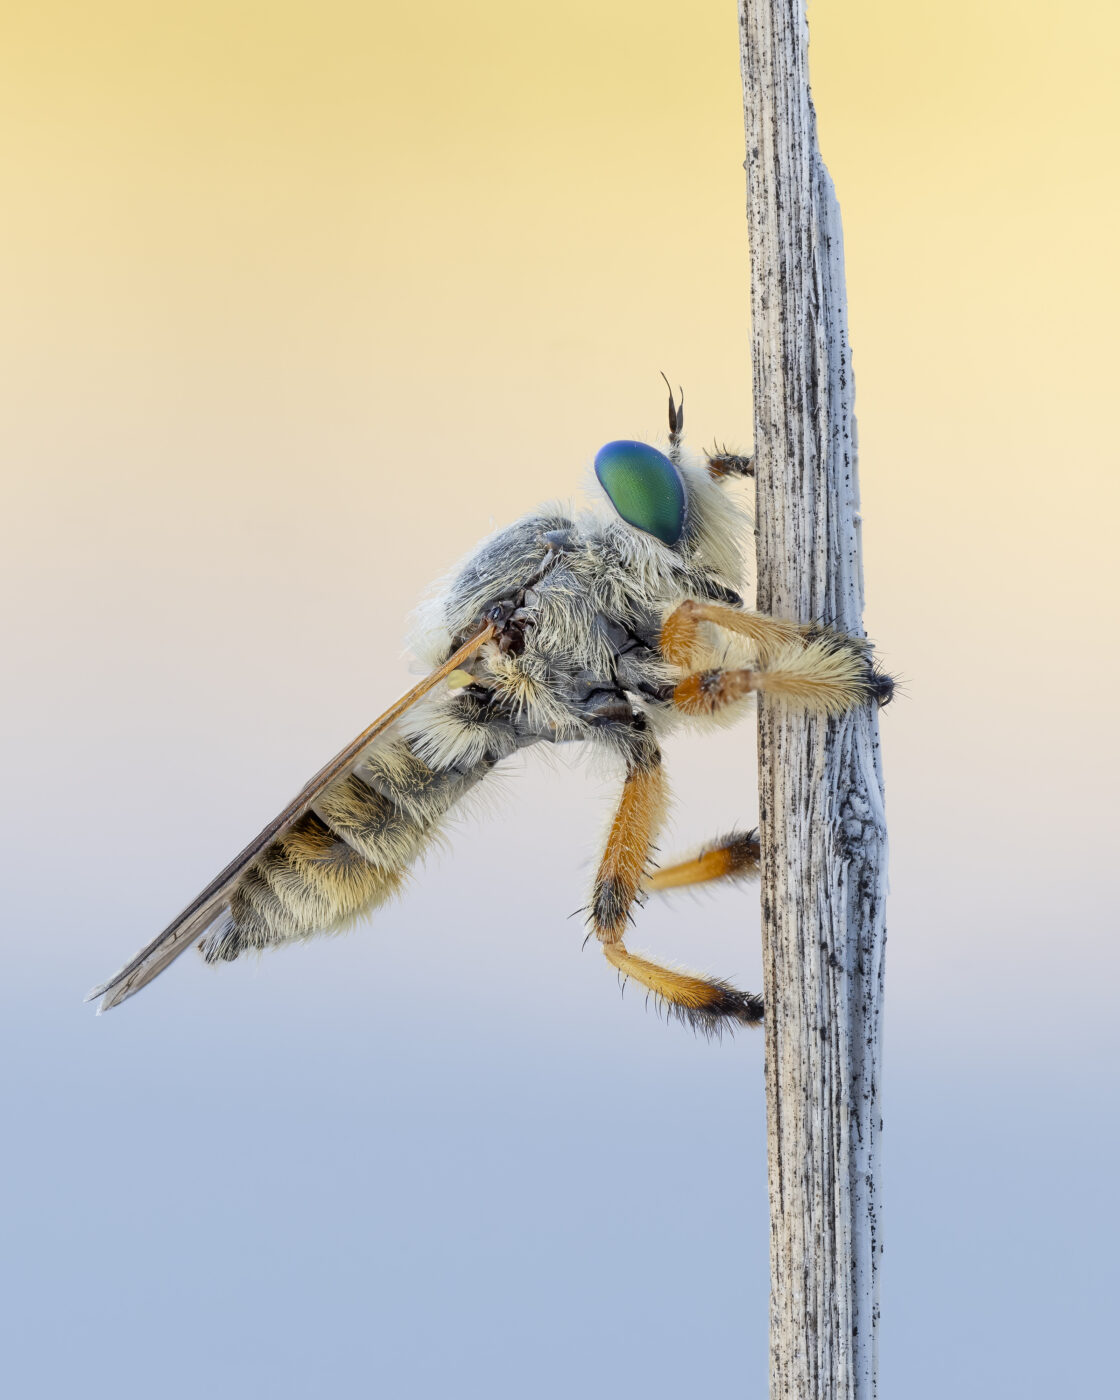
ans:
(707, 1004)
(722, 463)
(704, 1003)
(681, 636)
(817, 678)
(626, 856)
(732, 857)
(809, 666)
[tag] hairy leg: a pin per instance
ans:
(681, 636)
(813, 667)
(722, 463)
(706, 1004)
(731, 857)
(817, 677)
(625, 859)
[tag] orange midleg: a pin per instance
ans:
(732, 857)
(618, 881)
(707, 1004)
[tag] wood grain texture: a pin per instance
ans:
(823, 830)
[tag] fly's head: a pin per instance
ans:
(674, 514)
(646, 489)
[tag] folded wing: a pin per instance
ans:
(207, 907)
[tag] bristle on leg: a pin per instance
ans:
(680, 632)
(622, 869)
(732, 857)
(706, 1004)
(827, 676)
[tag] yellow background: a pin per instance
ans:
(299, 298)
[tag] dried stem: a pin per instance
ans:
(820, 782)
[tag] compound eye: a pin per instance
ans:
(644, 487)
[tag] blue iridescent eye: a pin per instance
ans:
(644, 487)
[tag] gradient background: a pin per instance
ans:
(297, 300)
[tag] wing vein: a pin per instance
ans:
(202, 911)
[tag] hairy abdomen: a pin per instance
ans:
(346, 857)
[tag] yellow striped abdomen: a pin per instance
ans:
(345, 857)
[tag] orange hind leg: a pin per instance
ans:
(731, 857)
(707, 1004)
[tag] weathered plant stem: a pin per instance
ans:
(820, 782)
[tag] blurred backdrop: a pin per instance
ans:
(299, 299)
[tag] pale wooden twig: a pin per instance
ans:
(820, 782)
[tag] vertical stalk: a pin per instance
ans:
(820, 782)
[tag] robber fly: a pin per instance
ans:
(606, 627)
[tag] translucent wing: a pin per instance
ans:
(197, 917)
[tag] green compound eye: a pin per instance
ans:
(645, 488)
